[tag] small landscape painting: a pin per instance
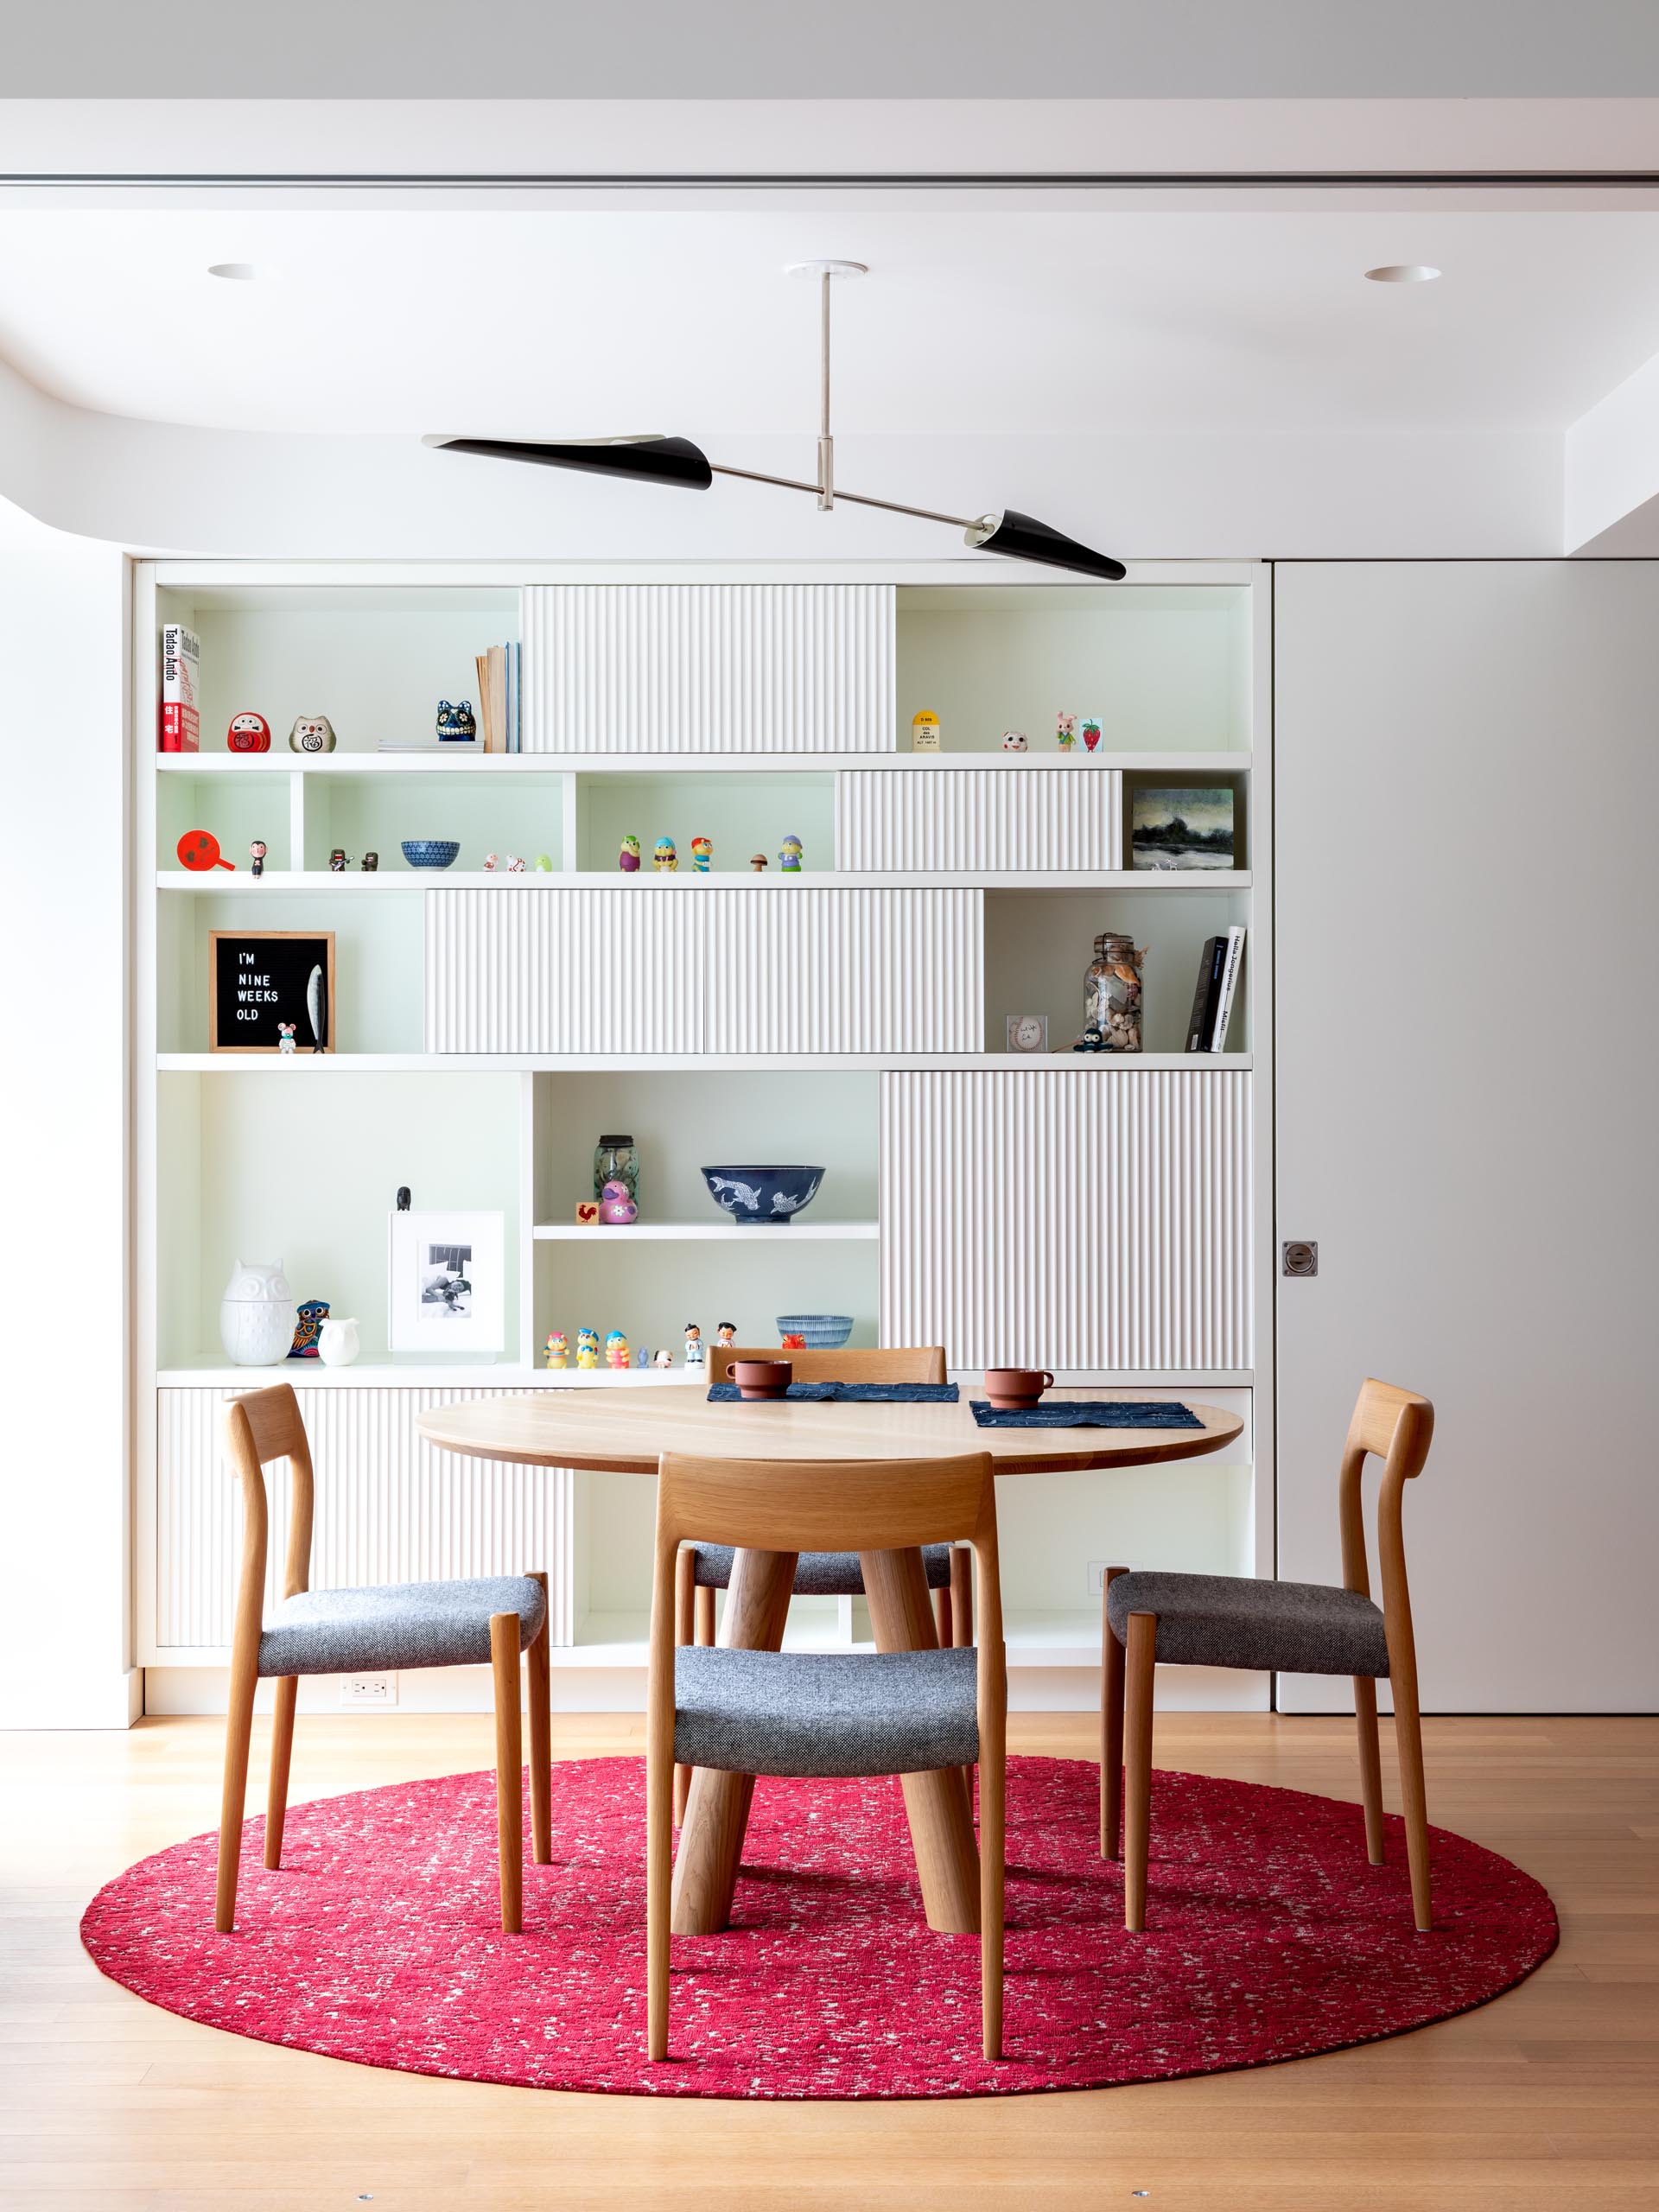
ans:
(1171, 828)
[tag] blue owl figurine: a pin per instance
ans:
(313, 1313)
(456, 723)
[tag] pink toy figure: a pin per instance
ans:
(1090, 733)
(490, 861)
(616, 1207)
(616, 1350)
(1065, 732)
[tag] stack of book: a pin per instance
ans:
(1212, 1000)
(497, 699)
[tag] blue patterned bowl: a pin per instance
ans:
(823, 1332)
(431, 852)
(772, 1195)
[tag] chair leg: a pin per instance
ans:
(536, 1670)
(962, 1598)
(705, 1610)
(1111, 1727)
(1408, 1740)
(1370, 1765)
(659, 1877)
(686, 1594)
(1137, 1765)
(941, 1620)
(281, 1751)
(238, 1730)
(993, 1786)
(509, 1769)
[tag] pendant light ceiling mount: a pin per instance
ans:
(648, 457)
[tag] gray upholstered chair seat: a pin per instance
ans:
(818, 1574)
(1225, 1620)
(398, 1624)
(800, 1712)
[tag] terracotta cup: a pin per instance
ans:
(1012, 1389)
(762, 1378)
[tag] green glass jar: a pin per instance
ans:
(615, 1160)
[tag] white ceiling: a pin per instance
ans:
(577, 323)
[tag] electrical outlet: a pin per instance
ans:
(368, 1689)
(1097, 1575)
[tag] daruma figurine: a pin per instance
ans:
(248, 733)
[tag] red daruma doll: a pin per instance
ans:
(248, 733)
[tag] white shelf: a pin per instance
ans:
(681, 764)
(399, 881)
(288, 1065)
(210, 1370)
(704, 1232)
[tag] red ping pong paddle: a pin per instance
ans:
(199, 850)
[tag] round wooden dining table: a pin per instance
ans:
(626, 1430)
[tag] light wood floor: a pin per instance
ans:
(1549, 2097)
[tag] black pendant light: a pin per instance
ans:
(655, 460)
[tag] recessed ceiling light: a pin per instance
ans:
(237, 272)
(1403, 272)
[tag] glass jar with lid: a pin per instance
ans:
(1112, 995)
(615, 1160)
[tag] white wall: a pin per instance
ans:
(64, 1591)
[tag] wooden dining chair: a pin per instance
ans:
(490, 1620)
(1306, 1628)
(825, 1714)
(706, 1568)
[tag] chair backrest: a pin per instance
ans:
(1395, 1426)
(892, 1363)
(264, 1425)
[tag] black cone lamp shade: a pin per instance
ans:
(1022, 537)
(647, 460)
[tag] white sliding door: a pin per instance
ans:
(1467, 783)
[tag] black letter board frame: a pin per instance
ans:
(286, 957)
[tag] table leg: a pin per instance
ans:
(939, 1810)
(717, 1808)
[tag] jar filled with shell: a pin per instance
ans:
(1112, 995)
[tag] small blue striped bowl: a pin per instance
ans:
(823, 1332)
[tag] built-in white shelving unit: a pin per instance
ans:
(1094, 1214)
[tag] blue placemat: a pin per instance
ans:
(1090, 1413)
(876, 1393)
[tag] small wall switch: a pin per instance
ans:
(368, 1689)
(1097, 1575)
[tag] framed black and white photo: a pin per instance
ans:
(447, 1283)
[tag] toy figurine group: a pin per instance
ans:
(665, 857)
(617, 1356)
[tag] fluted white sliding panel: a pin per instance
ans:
(708, 668)
(990, 818)
(616, 967)
(1089, 1217)
(390, 1508)
(792, 970)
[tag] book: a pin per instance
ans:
(181, 730)
(1212, 963)
(1229, 986)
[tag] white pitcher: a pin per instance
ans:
(337, 1344)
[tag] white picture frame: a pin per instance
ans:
(447, 1283)
(1027, 1033)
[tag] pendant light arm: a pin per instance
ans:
(826, 444)
(856, 499)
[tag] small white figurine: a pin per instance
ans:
(665, 1358)
(1014, 741)
(693, 1347)
(515, 865)
(490, 862)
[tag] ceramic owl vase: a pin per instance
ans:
(311, 734)
(257, 1314)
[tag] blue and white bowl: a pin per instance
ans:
(823, 1332)
(431, 852)
(770, 1195)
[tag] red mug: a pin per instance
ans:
(1012, 1389)
(761, 1378)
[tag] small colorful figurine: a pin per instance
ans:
(665, 860)
(491, 863)
(665, 1358)
(702, 854)
(311, 734)
(794, 1341)
(248, 733)
(543, 865)
(558, 1352)
(725, 1335)
(285, 1037)
(587, 1349)
(1090, 1042)
(789, 857)
(257, 851)
(455, 724)
(616, 1350)
(694, 1346)
(313, 1313)
(616, 1207)
(1065, 733)
(1014, 741)
(337, 860)
(1090, 733)
(628, 859)
(515, 865)
(925, 732)
(759, 862)
(370, 864)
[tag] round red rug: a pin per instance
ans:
(1269, 1936)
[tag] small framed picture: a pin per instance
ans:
(1027, 1033)
(447, 1289)
(1183, 827)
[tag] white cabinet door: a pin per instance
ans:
(1071, 1219)
(792, 970)
(1467, 783)
(1005, 818)
(613, 967)
(708, 668)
